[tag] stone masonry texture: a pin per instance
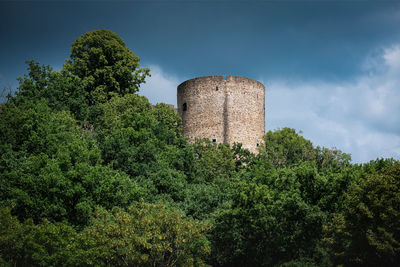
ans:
(224, 109)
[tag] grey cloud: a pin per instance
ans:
(361, 117)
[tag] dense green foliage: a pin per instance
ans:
(92, 174)
(367, 232)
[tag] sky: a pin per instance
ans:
(331, 68)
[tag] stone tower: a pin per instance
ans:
(224, 109)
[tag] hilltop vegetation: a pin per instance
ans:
(91, 174)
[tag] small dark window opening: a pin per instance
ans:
(216, 89)
(214, 140)
(258, 144)
(184, 106)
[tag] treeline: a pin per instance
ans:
(91, 174)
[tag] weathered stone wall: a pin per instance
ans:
(228, 109)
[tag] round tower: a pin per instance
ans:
(224, 109)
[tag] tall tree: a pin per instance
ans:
(106, 66)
